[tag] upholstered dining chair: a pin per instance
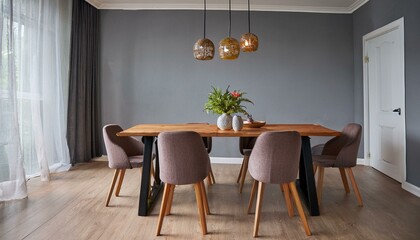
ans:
(245, 147)
(208, 142)
(275, 159)
(123, 153)
(183, 160)
(339, 152)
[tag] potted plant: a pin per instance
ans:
(226, 103)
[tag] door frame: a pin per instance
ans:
(399, 25)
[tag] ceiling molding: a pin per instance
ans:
(356, 5)
(95, 3)
(236, 7)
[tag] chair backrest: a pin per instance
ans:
(246, 143)
(275, 157)
(349, 141)
(183, 158)
(208, 141)
(120, 148)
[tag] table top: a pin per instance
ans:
(211, 130)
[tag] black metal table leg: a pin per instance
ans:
(306, 182)
(145, 203)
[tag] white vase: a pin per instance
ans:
(224, 121)
(237, 123)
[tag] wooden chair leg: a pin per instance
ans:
(152, 172)
(319, 184)
(344, 179)
(258, 208)
(111, 189)
(170, 199)
(355, 188)
(240, 172)
(251, 198)
(120, 181)
(299, 208)
(204, 197)
(210, 178)
(244, 171)
(166, 194)
(213, 180)
(198, 194)
(287, 198)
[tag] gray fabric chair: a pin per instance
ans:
(123, 153)
(245, 147)
(183, 160)
(339, 152)
(275, 159)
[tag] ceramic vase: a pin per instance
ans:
(224, 121)
(237, 123)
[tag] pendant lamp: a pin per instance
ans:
(229, 47)
(204, 48)
(249, 41)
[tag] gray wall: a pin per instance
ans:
(303, 71)
(373, 15)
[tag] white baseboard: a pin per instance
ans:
(362, 161)
(411, 188)
(226, 160)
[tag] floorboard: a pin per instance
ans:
(72, 206)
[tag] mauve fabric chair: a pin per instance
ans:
(339, 152)
(183, 160)
(208, 143)
(275, 159)
(123, 153)
(245, 147)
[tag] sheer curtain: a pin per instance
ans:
(35, 41)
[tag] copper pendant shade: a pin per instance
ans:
(204, 48)
(229, 47)
(249, 41)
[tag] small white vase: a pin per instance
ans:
(224, 121)
(237, 123)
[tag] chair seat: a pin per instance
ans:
(324, 160)
(136, 161)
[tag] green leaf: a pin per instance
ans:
(220, 102)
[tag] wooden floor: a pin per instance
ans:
(71, 206)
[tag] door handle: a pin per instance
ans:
(397, 110)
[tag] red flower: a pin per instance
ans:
(235, 94)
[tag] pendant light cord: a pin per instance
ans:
(230, 16)
(205, 13)
(249, 18)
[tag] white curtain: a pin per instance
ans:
(35, 42)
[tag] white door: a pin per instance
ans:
(384, 60)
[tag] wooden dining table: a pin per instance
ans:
(305, 183)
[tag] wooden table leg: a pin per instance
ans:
(306, 182)
(145, 203)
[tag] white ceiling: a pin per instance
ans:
(321, 6)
